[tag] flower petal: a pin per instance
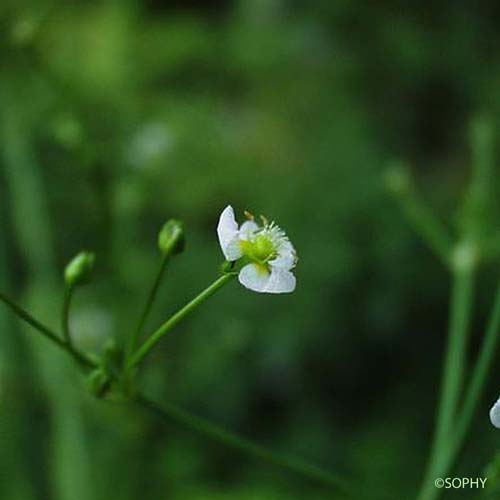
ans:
(233, 249)
(254, 277)
(281, 281)
(495, 414)
(286, 258)
(247, 228)
(257, 278)
(227, 230)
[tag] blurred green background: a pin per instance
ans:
(117, 115)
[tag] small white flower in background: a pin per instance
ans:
(268, 252)
(495, 414)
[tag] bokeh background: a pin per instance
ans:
(117, 115)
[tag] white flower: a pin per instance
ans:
(495, 414)
(268, 252)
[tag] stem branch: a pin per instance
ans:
(453, 375)
(249, 448)
(68, 296)
(136, 334)
(426, 224)
(475, 387)
(46, 332)
(177, 318)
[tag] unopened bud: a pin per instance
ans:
(171, 238)
(79, 270)
(98, 382)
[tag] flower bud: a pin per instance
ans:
(171, 238)
(98, 382)
(79, 270)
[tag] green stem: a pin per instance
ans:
(426, 224)
(483, 366)
(453, 376)
(232, 440)
(475, 387)
(136, 334)
(177, 318)
(68, 296)
(197, 424)
(46, 332)
(477, 203)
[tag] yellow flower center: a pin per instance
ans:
(259, 249)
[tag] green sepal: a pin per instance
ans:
(227, 267)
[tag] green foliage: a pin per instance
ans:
(117, 115)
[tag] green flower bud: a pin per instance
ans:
(171, 238)
(79, 270)
(98, 382)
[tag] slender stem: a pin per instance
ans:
(456, 353)
(177, 318)
(47, 332)
(483, 366)
(426, 224)
(475, 387)
(136, 334)
(244, 445)
(476, 216)
(453, 375)
(197, 424)
(68, 296)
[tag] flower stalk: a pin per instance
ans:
(80, 358)
(454, 420)
(249, 448)
(68, 296)
(164, 329)
(170, 242)
(136, 334)
(453, 375)
(421, 217)
(196, 424)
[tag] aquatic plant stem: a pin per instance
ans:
(247, 447)
(46, 332)
(136, 334)
(156, 336)
(68, 296)
(480, 372)
(425, 223)
(197, 424)
(474, 389)
(453, 375)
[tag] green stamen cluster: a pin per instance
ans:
(260, 249)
